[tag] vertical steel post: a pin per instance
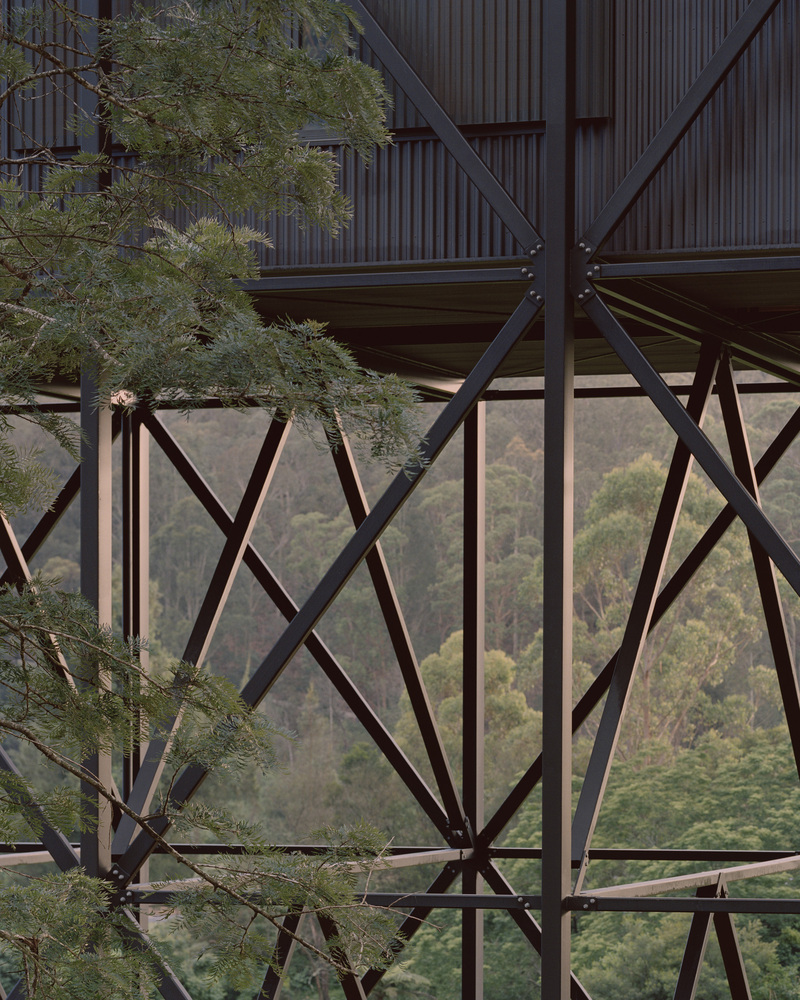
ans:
(473, 673)
(96, 533)
(136, 583)
(559, 59)
(135, 556)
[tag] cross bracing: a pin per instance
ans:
(567, 303)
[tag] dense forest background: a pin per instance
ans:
(704, 759)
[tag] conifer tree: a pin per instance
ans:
(129, 259)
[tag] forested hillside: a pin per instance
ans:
(705, 712)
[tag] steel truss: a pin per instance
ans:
(568, 270)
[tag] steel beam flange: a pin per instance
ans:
(534, 272)
(121, 895)
(583, 271)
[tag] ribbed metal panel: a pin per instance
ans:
(414, 203)
(733, 181)
(47, 115)
(482, 59)
(731, 184)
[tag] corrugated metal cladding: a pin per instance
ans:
(733, 183)
(47, 116)
(482, 60)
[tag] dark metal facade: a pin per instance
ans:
(603, 154)
(635, 60)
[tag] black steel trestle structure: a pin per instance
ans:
(564, 290)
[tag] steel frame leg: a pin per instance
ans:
(473, 686)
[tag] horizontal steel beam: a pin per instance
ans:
(633, 391)
(680, 904)
(698, 265)
(381, 279)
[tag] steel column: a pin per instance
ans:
(135, 563)
(96, 587)
(520, 913)
(473, 687)
(559, 72)
(213, 603)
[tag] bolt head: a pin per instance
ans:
(596, 269)
(524, 271)
(539, 246)
(587, 291)
(538, 298)
(587, 250)
(581, 245)
(531, 253)
(589, 274)
(580, 297)
(586, 906)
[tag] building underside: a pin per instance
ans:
(570, 301)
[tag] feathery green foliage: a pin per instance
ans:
(130, 260)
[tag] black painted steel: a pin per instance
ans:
(702, 449)
(446, 130)
(649, 304)
(193, 777)
(473, 673)
(519, 908)
(679, 122)
(390, 503)
(732, 957)
(219, 587)
(281, 956)
(420, 911)
(765, 571)
(62, 851)
(401, 640)
(96, 537)
(681, 904)
(695, 950)
(559, 65)
(332, 669)
(680, 578)
(348, 979)
(640, 617)
(700, 265)
(135, 570)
